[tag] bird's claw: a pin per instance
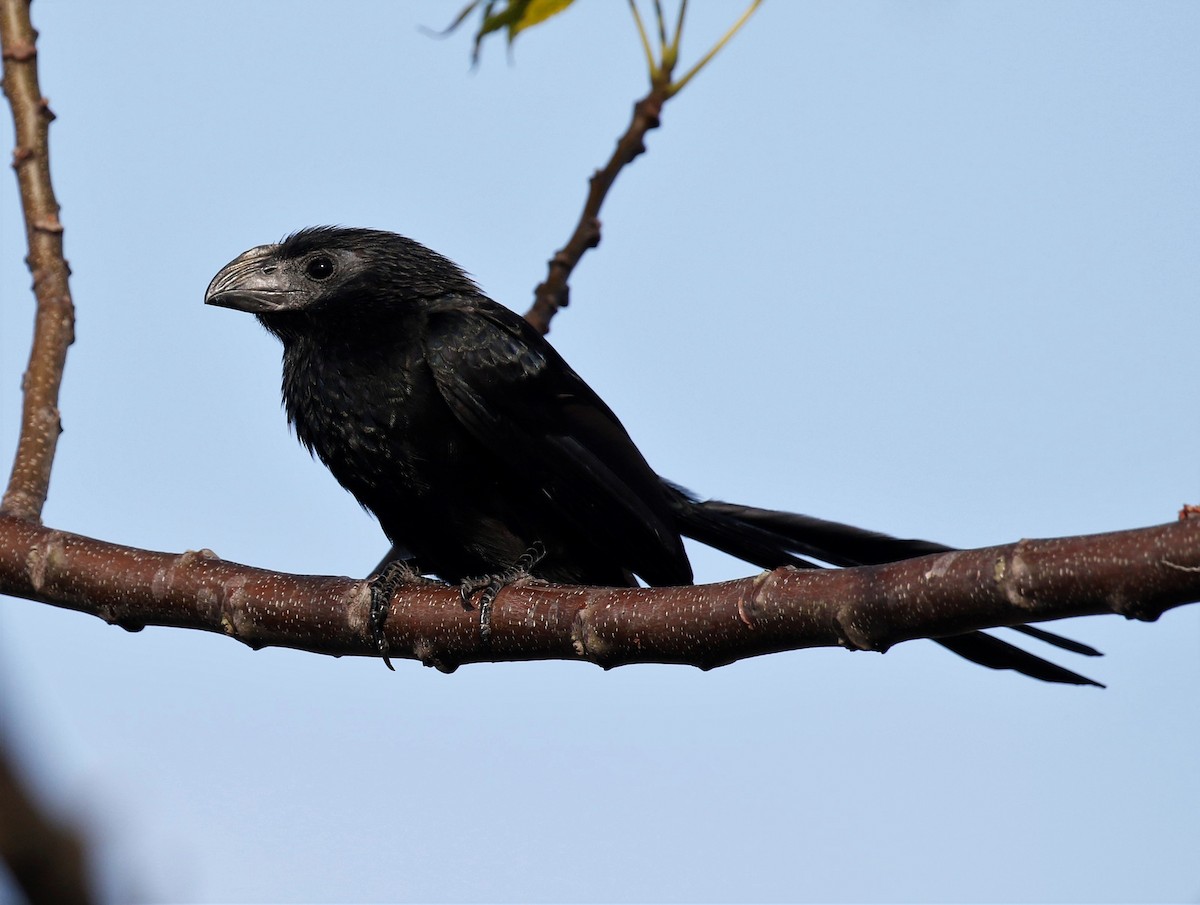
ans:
(383, 584)
(491, 585)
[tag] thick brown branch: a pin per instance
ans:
(1138, 574)
(54, 325)
(554, 293)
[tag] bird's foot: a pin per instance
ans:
(383, 584)
(490, 585)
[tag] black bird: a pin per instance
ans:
(473, 442)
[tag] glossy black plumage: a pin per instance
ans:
(472, 440)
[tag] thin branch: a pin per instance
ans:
(645, 39)
(54, 325)
(554, 293)
(671, 53)
(1138, 574)
(662, 25)
(676, 87)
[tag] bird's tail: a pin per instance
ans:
(770, 539)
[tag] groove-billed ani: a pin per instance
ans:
(472, 441)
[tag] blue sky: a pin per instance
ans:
(927, 267)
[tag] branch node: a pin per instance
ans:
(21, 51)
(590, 644)
(649, 109)
(1133, 609)
(749, 605)
(41, 557)
(1010, 573)
(236, 621)
(851, 636)
(425, 651)
(47, 224)
(591, 232)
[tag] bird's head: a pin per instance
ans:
(331, 277)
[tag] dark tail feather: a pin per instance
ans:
(770, 539)
(996, 654)
(795, 535)
(1041, 634)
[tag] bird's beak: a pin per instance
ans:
(254, 282)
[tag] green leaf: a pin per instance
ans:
(514, 16)
(536, 12)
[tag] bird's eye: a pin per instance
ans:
(319, 268)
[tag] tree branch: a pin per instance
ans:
(554, 293)
(54, 325)
(1138, 574)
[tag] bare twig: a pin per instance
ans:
(554, 293)
(716, 48)
(54, 325)
(1138, 574)
(642, 36)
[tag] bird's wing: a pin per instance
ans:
(515, 394)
